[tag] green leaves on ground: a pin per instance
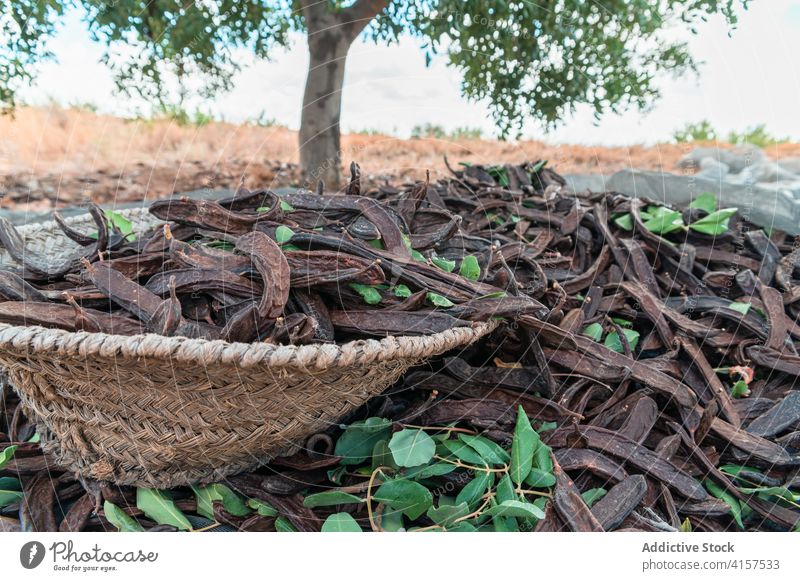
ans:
(443, 263)
(470, 268)
(593, 331)
(159, 507)
(121, 224)
(705, 201)
(410, 498)
(614, 342)
(7, 454)
(231, 502)
(522, 447)
(341, 522)
(120, 519)
(663, 220)
(439, 301)
(358, 440)
(715, 223)
(412, 447)
(402, 469)
(10, 491)
(370, 294)
(283, 234)
(718, 492)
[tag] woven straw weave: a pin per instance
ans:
(162, 411)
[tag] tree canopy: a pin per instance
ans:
(526, 59)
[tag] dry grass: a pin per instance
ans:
(50, 156)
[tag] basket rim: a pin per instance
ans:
(41, 340)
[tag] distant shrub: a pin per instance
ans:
(264, 120)
(466, 133)
(84, 106)
(439, 132)
(756, 135)
(700, 131)
(428, 130)
(183, 117)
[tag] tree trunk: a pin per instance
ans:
(330, 34)
(320, 145)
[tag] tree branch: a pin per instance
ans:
(357, 16)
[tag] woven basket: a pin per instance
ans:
(159, 412)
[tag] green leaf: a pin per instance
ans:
(437, 469)
(402, 291)
(622, 322)
(522, 448)
(770, 491)
(593, 495)
(120, 519)
(283, 234)
(159, 507)
(377, 244)
(382, 456)
(542, 458)
(463, 452)
(220, 245)
(498, 172)
(488, 450)
(494, 295)
(515, 508)
(10, 483)
(341, 522)
(9, 497)
(614, 343)
(120, 223)
(261, 507)
(411, 498)
(686, 525)
(330, 498)
(439, 300)
(624, 221)
(231, 502)
(286, 206)
(665, 222)
(7, 454)
(391, 520)
(370, 294)
(417, 255)
(282, 525)
(593, 331)
(443, 263)
(446, 514)
(538, 478)
(505, 490)
(705, 201)
(538, 166)
(470, 268)
(715, 223)
(356, 444)
(412, 447)
(475, 488)
(740, 389)
(719, 492)
(743, 308)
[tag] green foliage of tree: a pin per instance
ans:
(526, 59)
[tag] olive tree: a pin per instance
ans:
(527, 59)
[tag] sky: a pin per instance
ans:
(748, 76)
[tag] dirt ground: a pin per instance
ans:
(52, 157)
